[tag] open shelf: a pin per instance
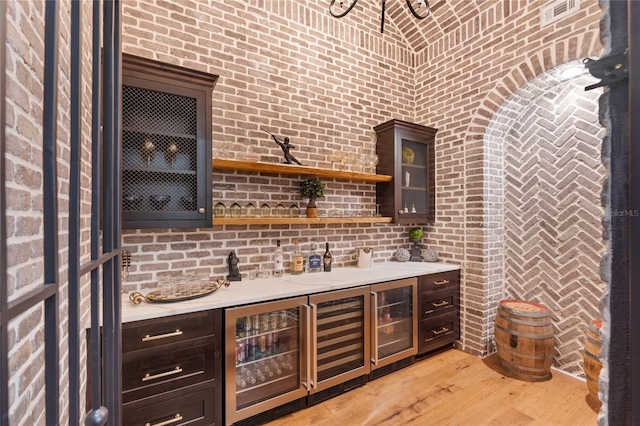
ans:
(295, 220)
(291, 169)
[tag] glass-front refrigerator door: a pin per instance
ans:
(394, 321)
(266, 356)
(340, 337)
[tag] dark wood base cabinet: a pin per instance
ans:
(172, 370)
(439, 314)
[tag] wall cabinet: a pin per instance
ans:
(166, 145)
(407, 153)
(172, 370)
(439, 310)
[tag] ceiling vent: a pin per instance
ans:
(557, 10)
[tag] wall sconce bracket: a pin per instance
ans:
(609, 69)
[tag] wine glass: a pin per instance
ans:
(250, 210)
(219, 210)
(148, 149)
(372, 161)
(265, 210)
(171, 153)
(235, 210)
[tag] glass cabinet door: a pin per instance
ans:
(341, 342)
(395, 321)
(264, 357)
(414, 194)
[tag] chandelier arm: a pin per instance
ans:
(413, 11)
(336, 15)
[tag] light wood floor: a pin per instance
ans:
(453, 388)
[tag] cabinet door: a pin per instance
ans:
(394, 321)
(166, 147)
(266, 356)
(341, 344)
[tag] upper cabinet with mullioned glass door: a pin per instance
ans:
(406, 151)
(166, 145)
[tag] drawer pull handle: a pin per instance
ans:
(148, 377)
(440, 304)
(443, 330)
(176, 419)
(443, 282)
(148, 338)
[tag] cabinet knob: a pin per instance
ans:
(201, 210)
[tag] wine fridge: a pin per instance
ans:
(394, 320)
(278, 353)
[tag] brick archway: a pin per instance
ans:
(484, 226)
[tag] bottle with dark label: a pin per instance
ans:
(327, 259)
(314, 260)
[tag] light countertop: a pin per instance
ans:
(266, 289)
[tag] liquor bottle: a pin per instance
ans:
(278, 261)
(297, 260)
(314, 260)
(327, 259)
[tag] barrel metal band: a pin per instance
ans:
(524, 322)
(531, 336)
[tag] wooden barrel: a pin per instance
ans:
(592, 364)
(524, 340)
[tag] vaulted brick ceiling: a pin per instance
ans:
(445, 15)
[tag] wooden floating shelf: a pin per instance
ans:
(295, 220)
(291, 169)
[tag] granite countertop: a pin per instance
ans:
(266, 289)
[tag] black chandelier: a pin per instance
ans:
(340, 8)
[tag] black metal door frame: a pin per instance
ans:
(105, 258)
(634, 196)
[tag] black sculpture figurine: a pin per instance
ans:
(286, 146)
(234, 273)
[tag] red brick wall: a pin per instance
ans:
(325, 82)
(464, 75)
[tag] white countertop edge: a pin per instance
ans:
(262, 290)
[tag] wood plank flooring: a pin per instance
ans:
(453, 388)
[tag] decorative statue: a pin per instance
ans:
(286, 146)
(234, 273)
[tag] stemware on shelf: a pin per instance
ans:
(235, 210)
(250, 210)
(294, 210)
(265, 210)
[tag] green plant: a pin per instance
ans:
(415, 233)
(312, 188)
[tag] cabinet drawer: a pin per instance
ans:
(194, 409)
(438, 332)
(434, 304)
(439, 282)
(150, 375)
(161, 331)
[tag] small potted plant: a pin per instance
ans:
(415, 235)
(312, 188)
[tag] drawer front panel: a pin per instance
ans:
(150, 375)
(434, 304)
(439, 282)
(439, 332)
(161, 331)
(195, 409)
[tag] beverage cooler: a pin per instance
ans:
(394, 320)
(280, 352)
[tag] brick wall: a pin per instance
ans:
(292, 69)
(282, 66)
(552, 179)
(495, 48)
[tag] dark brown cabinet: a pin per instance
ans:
(406, 152)
(166, 145)
(172, 370)
(439, 315)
